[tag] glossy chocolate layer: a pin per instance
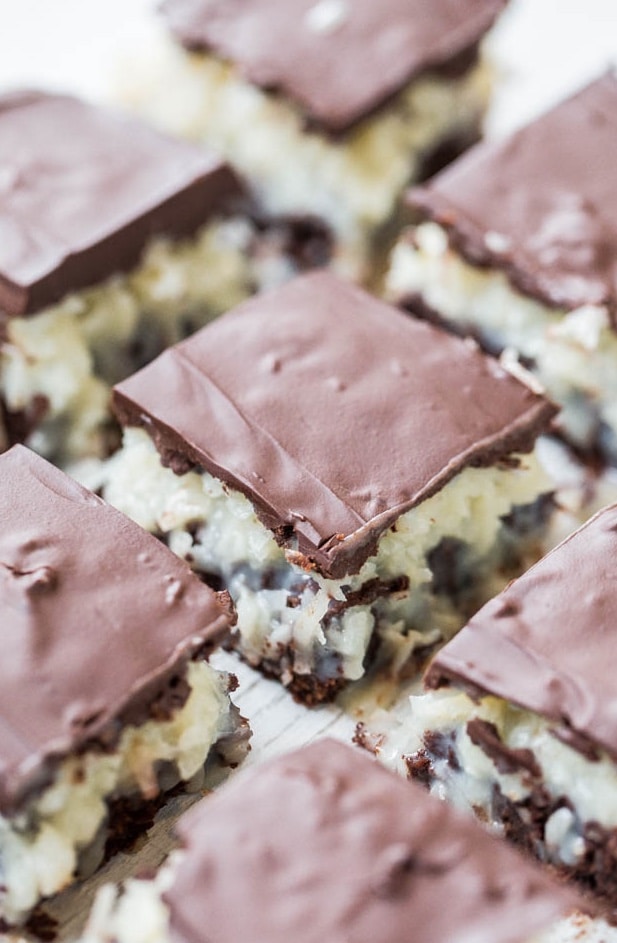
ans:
(82, 190)
(325, 844)
(332, 411)
(96, 615)
(547, 642)
(337, 59)
(542, 205)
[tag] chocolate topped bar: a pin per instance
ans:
(324, 844)
(338, 60)
(82, 190)
(333, 412)
(541, 205)
(97, 618)
(545, 642)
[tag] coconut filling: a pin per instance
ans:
(586, 791)
(69, 355)
(303, 621)
(42, 846)
(572, 353)
(137, 913)
(352, 181)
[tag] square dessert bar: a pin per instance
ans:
(324, 844)
(115, 241)
(106, 696)
(353, 477)
(516, 244)
(520, 722)
(329, 107)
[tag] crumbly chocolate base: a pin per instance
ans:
(449, 579)
(305, 689)
(448, 150)
(312, 690)
(129, 817)
(41, 925)
(524, 821)
(452, 578)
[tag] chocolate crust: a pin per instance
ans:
(540, 206)
(595, 871)
(92, 641)
(524, 821)
(333, 412)
(368, 856)
(544, 643)
(108, 184)
(342, 72)
(304, 688)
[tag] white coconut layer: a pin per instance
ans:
(589, 787)
(136, 913)
(573, 354)
(40, 847)
(71, 353)
(352, 181)
(281, 607)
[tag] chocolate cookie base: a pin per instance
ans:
(524, 822)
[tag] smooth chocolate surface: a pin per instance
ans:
(83, 189)
(324, 844)
(96, 615)
(547, 642)
(337, 59)
(332, 411)
(541, 205)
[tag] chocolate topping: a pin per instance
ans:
(546, 643)
(332, 411)
(338, 60)
(82, 190)
(542, 205)
(97, 618)
(324, 844)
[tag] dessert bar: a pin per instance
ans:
(516, 243)
(519, 724)
(323, 844)
(107, 698)
(115, 242)
(329, 107)
(355, 478)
